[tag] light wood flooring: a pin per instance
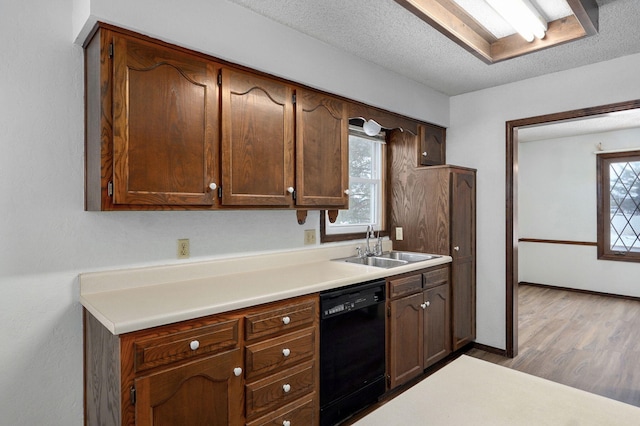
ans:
(586, 341)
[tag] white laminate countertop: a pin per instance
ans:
(135, 299)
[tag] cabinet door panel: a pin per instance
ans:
(257, 140)
(406, 339)
(437, 339)
(463, 229)
(432, 145)
(321, 150)
(204, 392)
(165, 125)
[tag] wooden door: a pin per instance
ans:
(406, 332)
(437, 337)
(257, 140)
(165, 125)
(463, 246)
(322, 150)
(199, 393)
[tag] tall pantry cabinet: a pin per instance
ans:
(436, 208)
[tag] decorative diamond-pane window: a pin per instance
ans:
(619, 206)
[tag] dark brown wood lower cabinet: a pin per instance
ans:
(437, 337)
(205, 392)
(419, 323)
(406, 331)
(257, 365)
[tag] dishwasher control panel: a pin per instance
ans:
(351, 298)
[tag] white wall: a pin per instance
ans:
(557, 201)
(47, 238)
(476, 138)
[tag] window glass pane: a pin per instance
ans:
(365, 197)
(361, 157)
(362, 199)
(624, 203)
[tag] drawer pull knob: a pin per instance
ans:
(286, 423)
(424, 153)
(423, 305)
(286, 352)
(194, 345)
(213, 186)
(286, 320)
(428, 303)
(286, 388)
(237, 371)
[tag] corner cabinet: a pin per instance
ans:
(256, 366)
(169, 128)
(418, 323)
(152, 124)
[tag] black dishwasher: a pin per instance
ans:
(352, 350)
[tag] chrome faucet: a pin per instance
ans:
(377, 249)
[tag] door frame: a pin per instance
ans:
(512, 203)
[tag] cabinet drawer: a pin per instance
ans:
(273, 391)
(177, 346)
(271, 321)
(299, 413)
(436, 277)
(282, 351)
(406, 285)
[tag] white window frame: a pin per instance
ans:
(376, 179)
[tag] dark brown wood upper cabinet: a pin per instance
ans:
(322, 150)
(168, 128)
(152, 125)
(432, 145)
(164, 125)
(257, 140)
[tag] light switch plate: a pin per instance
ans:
(399, 234)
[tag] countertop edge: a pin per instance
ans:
(157, 307)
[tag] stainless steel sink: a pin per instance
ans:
(409, 256)
(380, 262)
(389, 259)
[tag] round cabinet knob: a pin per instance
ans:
(286, 388)
(286, 352)
(428, 303)
(423, 305)
(286, 423)
(213, 186)
(290, 190)
(194, 345)
(237, 371)
(346, 191)
(286, 320)
(424, 153)
(456, 248)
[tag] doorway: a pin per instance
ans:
(512, 237)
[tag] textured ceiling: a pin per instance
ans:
(385, 33)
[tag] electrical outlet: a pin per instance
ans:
(183, 248)
(399, 235)
(309, 236)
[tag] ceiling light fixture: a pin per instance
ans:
(522, 16)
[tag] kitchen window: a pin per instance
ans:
(365, 189)
(619, 206)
